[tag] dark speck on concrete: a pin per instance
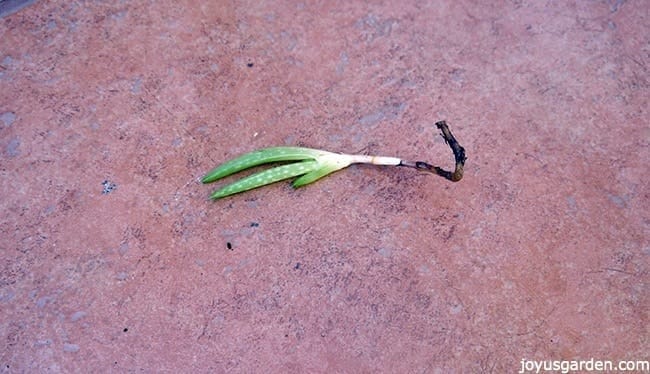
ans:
(108, 187)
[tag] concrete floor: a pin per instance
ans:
(114, 260)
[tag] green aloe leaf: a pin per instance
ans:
(266, 177)
(314, 164)
(327, 164)
(314, 176)
(259, 157)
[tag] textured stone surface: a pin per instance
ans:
(113, 259)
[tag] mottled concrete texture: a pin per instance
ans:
(113, 258)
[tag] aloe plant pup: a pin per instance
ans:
(314, 164)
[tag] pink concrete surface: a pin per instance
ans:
(113, 259)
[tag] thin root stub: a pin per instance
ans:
(459, 156)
